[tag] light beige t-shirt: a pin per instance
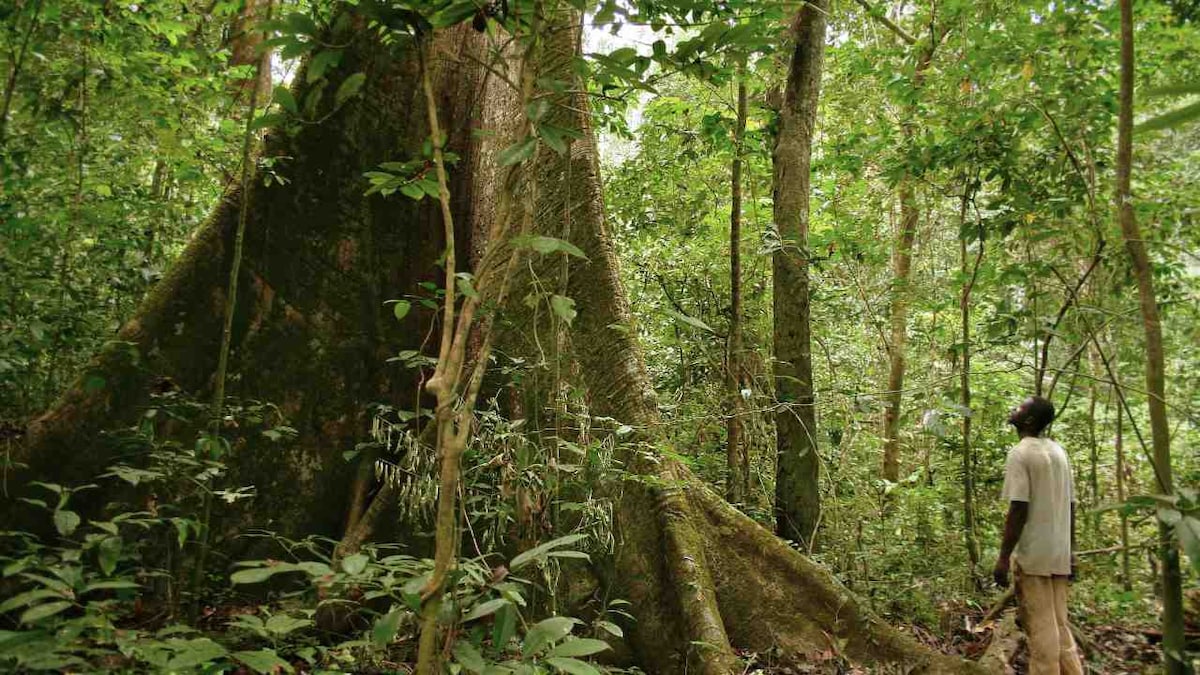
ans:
(1038, 472)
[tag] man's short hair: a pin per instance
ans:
(1039, 413)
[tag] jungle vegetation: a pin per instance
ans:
(574, 336)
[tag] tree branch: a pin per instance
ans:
(888, 23)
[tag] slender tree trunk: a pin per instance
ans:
(910, 216)
(1119, 450)
(1160, 431)
(968, 454)
(736, 450)
(797, 488)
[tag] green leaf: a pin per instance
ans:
(321, 62)
(1188, 531)
(263, 661)
(412, 191)
(579, 647)
(546, 245)
(455, 13)
(610, 628)
(564, 307)
(283, 96)
(1170, 119)
(485, 609)
(111, 586)
(465, 285)
(469, 657)
(196, 652)
(256, 575)
(349, 87)
(267, 120)
(282, 624)
(28, 597)
(518, 152)
(355, 564)
(401, 309)
(545, 632)
(540, 551)
(35, 614)
(66, 521)
(108, 553)
(691, 321)
(573, 666)
(386, 627)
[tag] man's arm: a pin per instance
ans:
(1074, 560)
(1014, 523)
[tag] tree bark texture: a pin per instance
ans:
(737, 457)
(1174, 646)
(797, 489)
(320, 258)
(311, 333)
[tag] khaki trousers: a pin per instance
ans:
(1042, 605)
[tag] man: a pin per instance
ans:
(1040, 530)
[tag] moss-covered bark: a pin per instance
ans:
(311, 332)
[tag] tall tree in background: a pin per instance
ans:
(797, 493)
(910, 216)
(1160, 431)
(737, 453)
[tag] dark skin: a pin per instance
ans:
(1018, 512)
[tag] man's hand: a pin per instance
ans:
(1000, 572)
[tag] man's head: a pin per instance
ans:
(1033, 416)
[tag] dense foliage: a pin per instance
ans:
(123, 124)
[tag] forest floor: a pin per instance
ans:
(1110, 649)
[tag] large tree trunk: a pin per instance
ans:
(320, 259)
(1174, 648)
(311, 333)
(797, 489)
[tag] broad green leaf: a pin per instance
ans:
(578, 647)
(1188, 531)
(108, 554)
(546, 632)
(455, 13)
(282, 624)
(28, 597)
(546, 245)
(349, 88)
(691, 320)
(564, 307)
(263, 661)
(255, 575)
(196, 652)
(401, 308)
(1170, 119)
(283, 96)
(573, 666)
(518, 152)
(485, 609)
(111, 586)
(66, 521)
(541, 550)
(321, 62)
(355, 564)
(469, 657)
(39, 612)
(386, 627)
